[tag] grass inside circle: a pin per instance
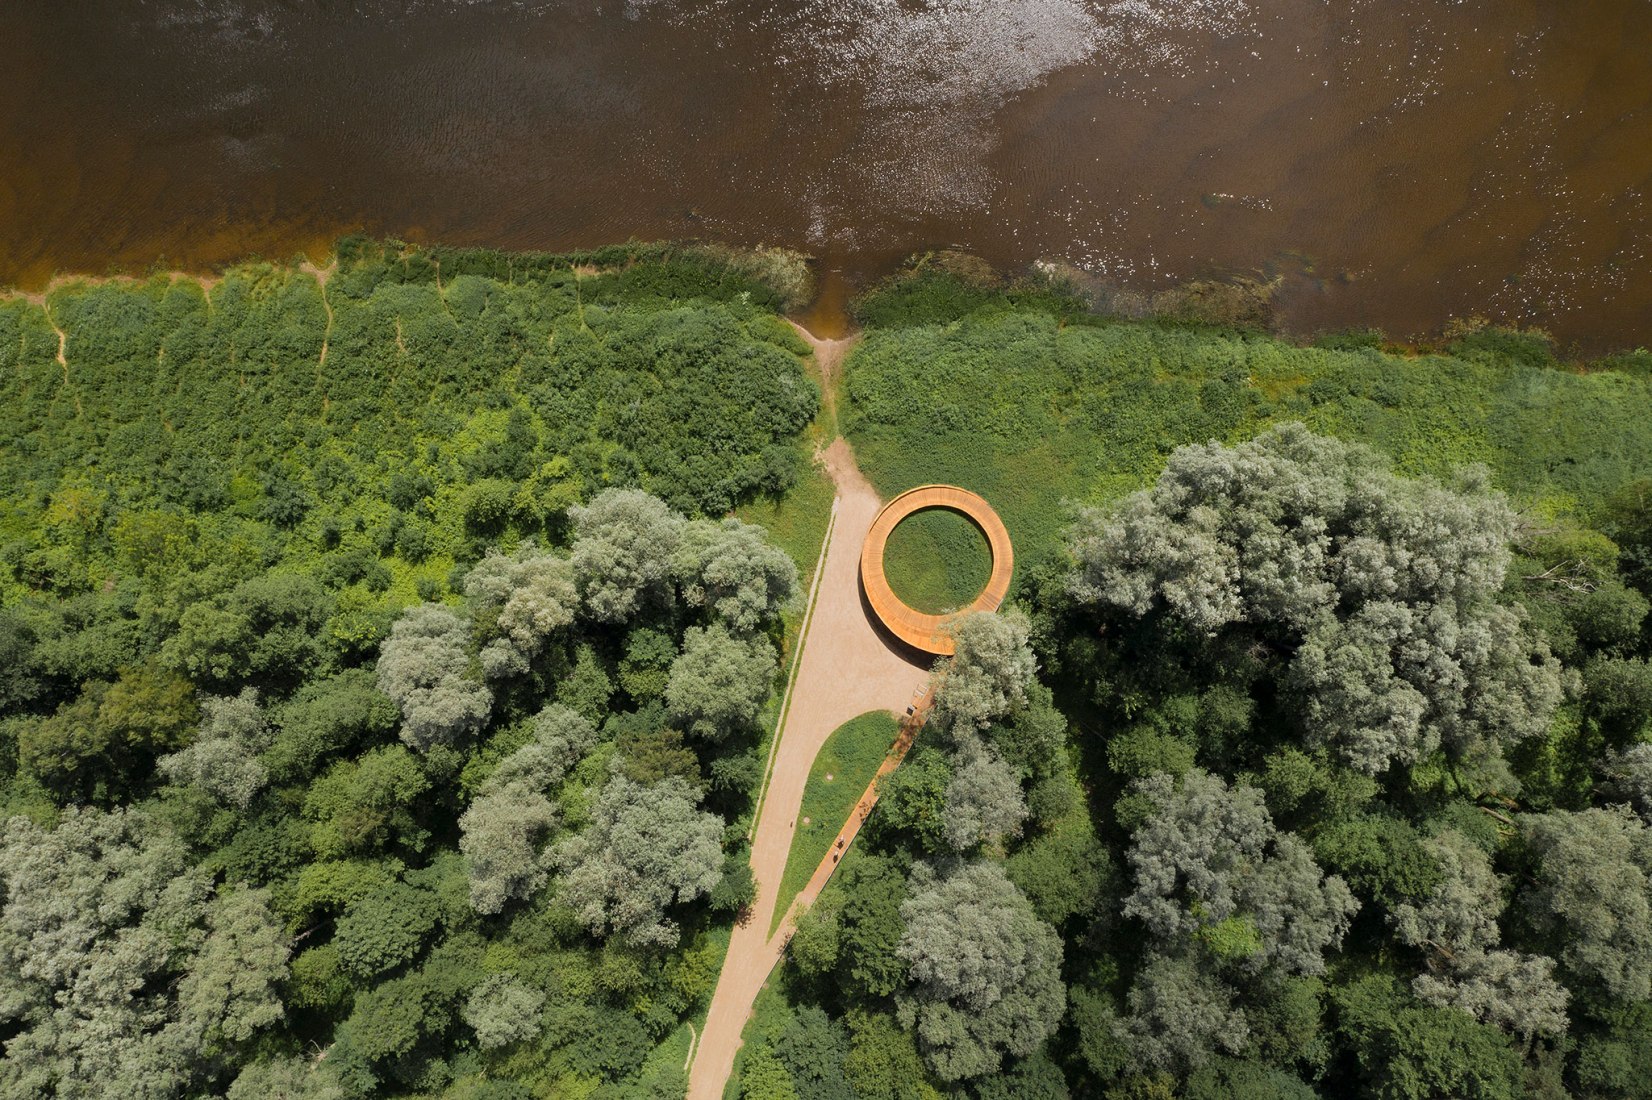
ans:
(937, 561)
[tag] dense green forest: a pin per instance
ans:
(336, 619)
(385, 674)
(1314, 755)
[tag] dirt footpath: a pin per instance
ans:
(845, 669)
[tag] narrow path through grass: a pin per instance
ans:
(841, 771)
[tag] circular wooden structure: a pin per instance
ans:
(932, 633)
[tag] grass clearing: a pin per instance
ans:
(796, 520)
(937, 561)
(845, 765)
(770, 1014)
(1032, 409)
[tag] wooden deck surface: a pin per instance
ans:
(932, 633)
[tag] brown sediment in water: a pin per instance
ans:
(1398, 164)
(827, 317)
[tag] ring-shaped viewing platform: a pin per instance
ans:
(932, 633)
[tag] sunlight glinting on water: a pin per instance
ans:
(1398, 163)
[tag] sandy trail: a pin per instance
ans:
(845, 669)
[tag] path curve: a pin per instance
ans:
(933, 633)
(845, 668)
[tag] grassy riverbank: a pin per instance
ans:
(1025, 398)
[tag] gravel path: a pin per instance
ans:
(846, 669)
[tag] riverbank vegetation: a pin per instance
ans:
(1019, 393)
(1312, 754)
(383, 678)
(340, 618)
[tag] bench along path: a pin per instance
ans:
(845, 668)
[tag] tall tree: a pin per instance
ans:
(647, 848)
(984, 972)
(422, 667)
(502, 1010)
(503, 838)
(1211, 867)
(223, 760)
(1628, 778)
(719, 682)
(1181, 1015)
(732, 568)
(525, 598)
(504, 833)
(119, 971)
(624, 541)
(1457, 925)
(989, 673)
(232, 989)
(984, 804)
(1594, 896)
(1380, 590)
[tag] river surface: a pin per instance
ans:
(1399, 162)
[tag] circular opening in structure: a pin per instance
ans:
(937, 561)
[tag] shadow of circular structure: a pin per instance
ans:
(932, 633)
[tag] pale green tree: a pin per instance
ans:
(624, 542)
(1181, 1016)
(1209, 865)
(647, 848)
(1594, 896)
(120, 973)
(561, 738)
(989, 674)
(719, 682)
(1467, 969)
(232, 988)
(984, 803)
(1384, 588)
(502, 1010)
(1628, 778)
(1393, 683)
(423, 668)
(526, 598)
(732, 568)
(291, 1078)
(505, 832)
(503, 838)
(1512, 990)
(223, 760)
(1460, 914)
(984, 973)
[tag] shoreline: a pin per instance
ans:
(836, 287)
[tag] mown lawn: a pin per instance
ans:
(937, 561)
(845, 765)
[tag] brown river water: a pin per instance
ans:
(1399, 162)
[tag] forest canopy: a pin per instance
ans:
(1317, 731)
(387, 665)
(384, 675)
